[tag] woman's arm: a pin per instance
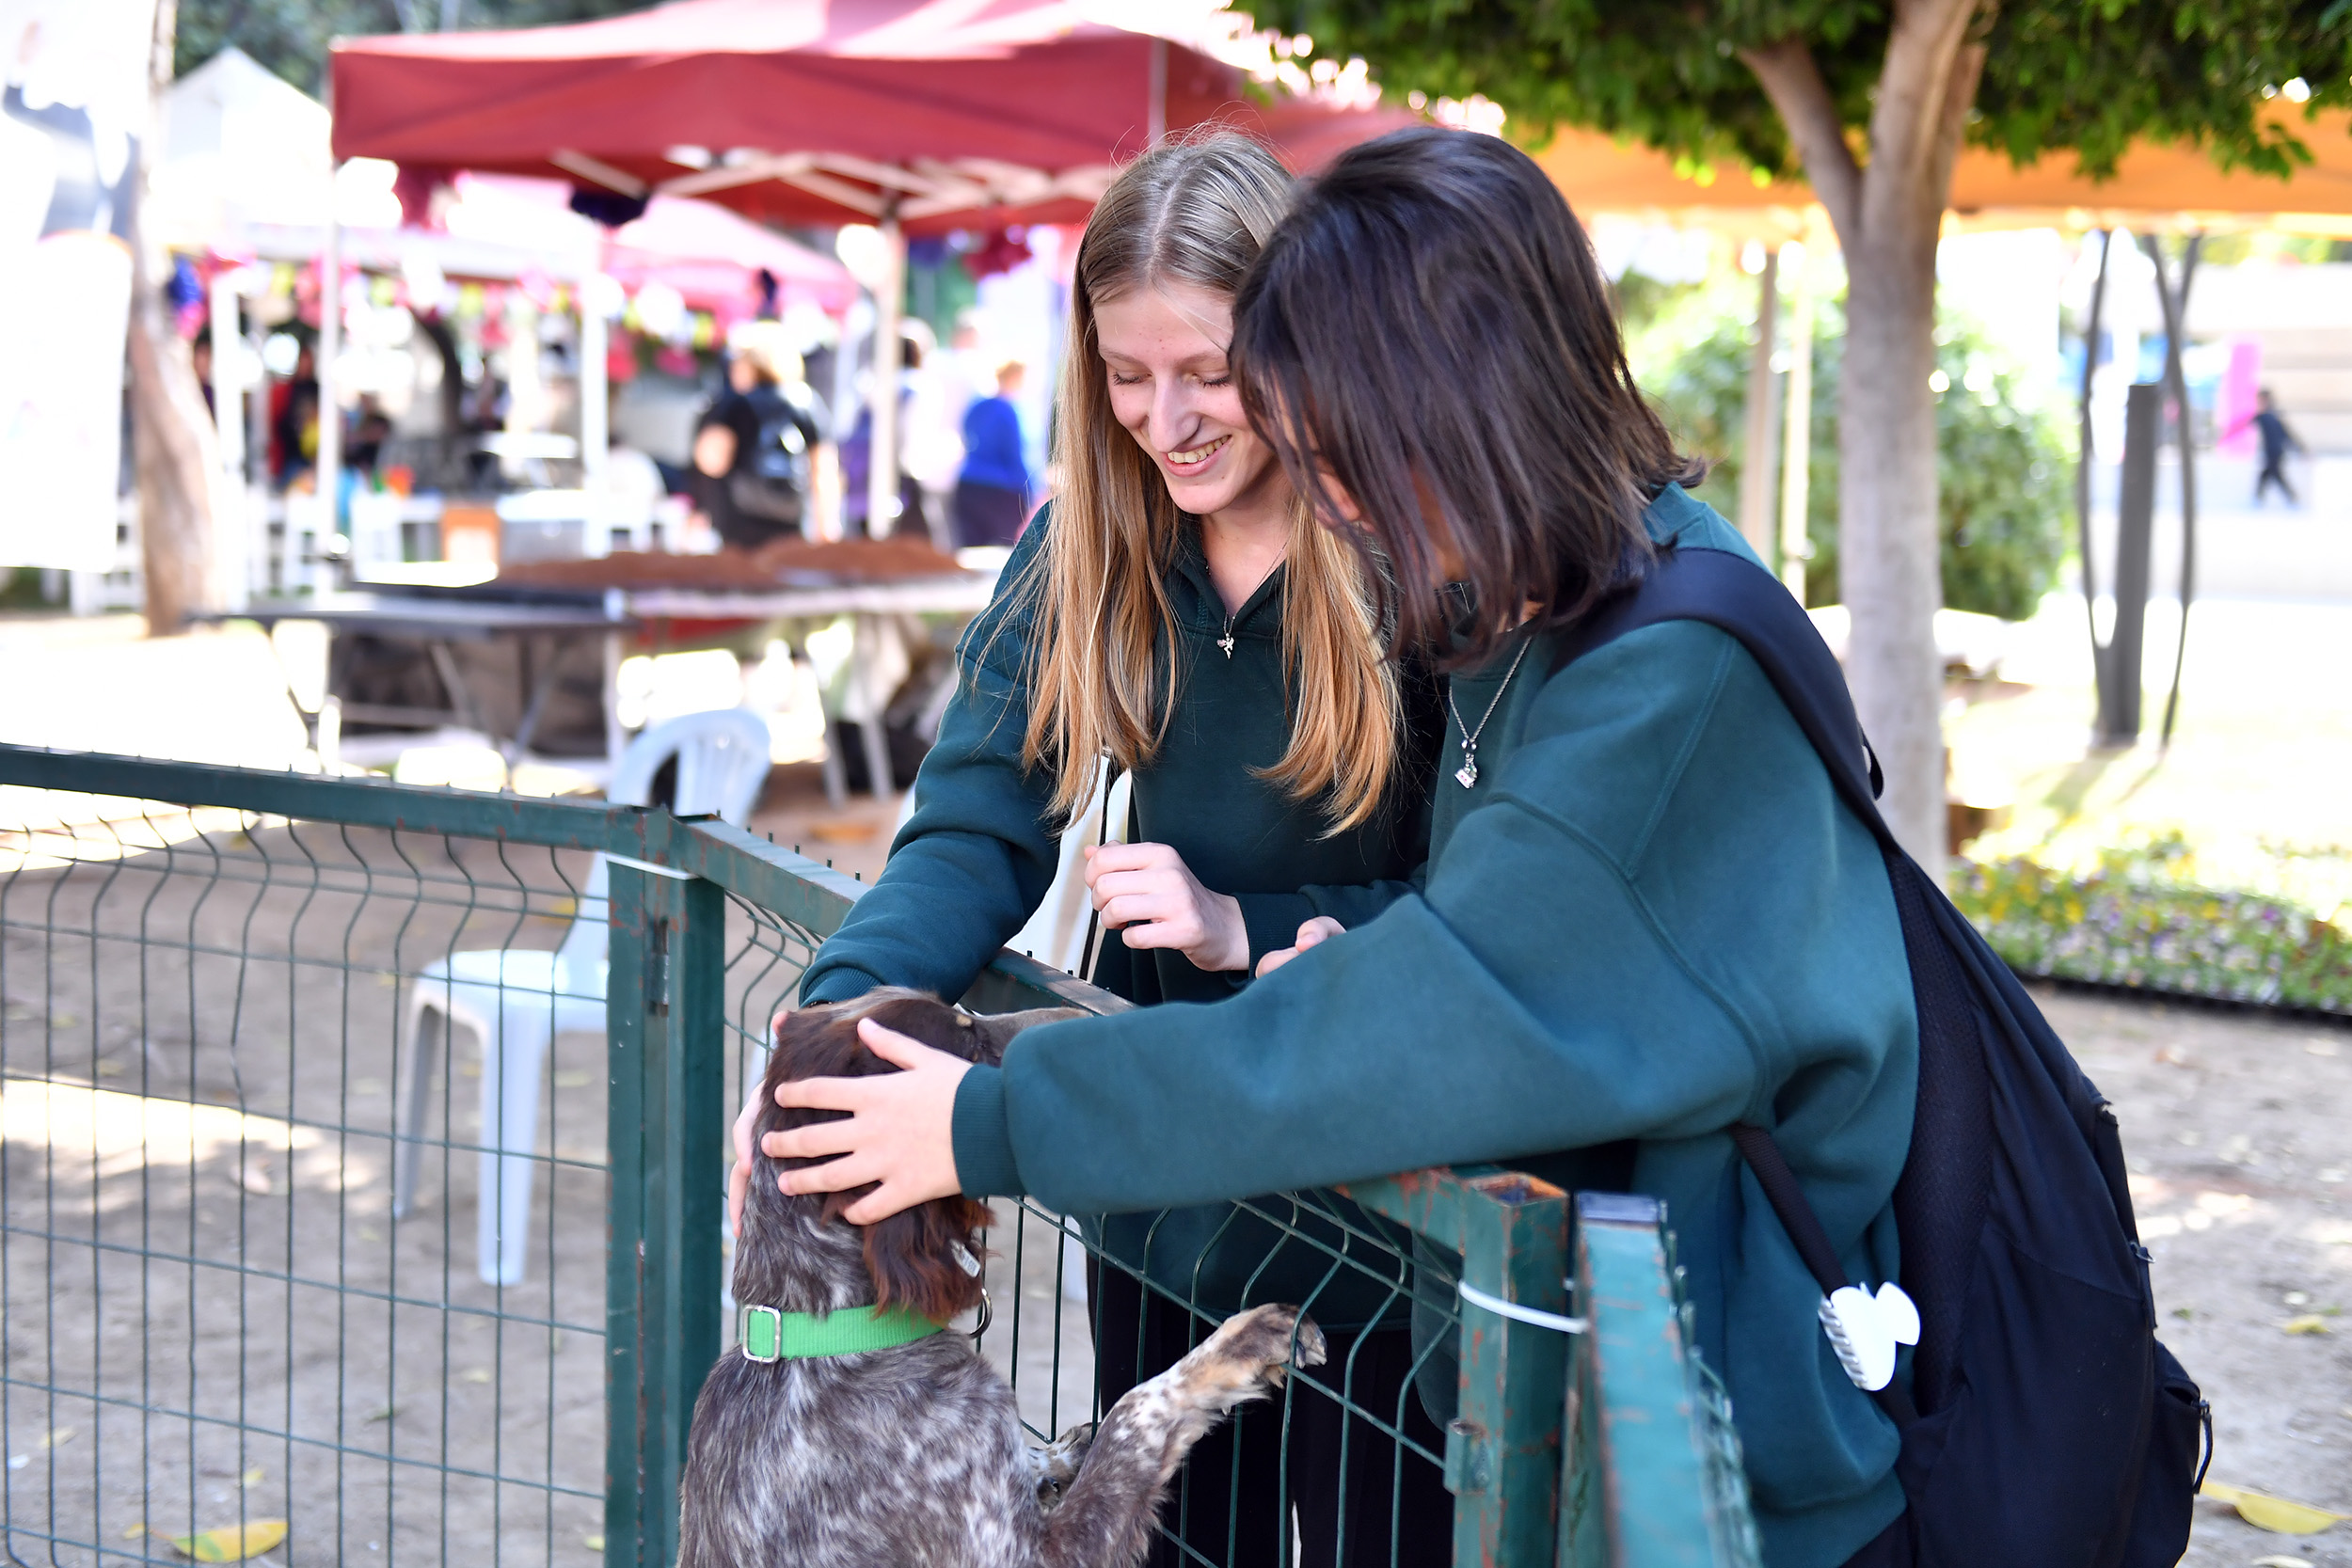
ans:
(1661, 910)
(978, 855)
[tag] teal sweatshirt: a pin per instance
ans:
(976, 857)
(975, 860)
(1650, 918)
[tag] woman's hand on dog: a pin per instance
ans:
(900, 1132)
(1321, 930)
(1149, 895)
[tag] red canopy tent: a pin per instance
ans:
(806, 111)
(918, 116)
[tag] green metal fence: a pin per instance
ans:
(226, 1061)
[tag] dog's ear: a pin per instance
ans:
(918, 1257)
(995, 1030)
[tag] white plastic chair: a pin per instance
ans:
(516, 1001)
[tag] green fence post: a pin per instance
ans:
(1652, 1472)
(666, 1131)
(1503, 1450)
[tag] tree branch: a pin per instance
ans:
(1915, 103)
(1794, 82)
(1959, 96)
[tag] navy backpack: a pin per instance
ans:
(2044, 1423)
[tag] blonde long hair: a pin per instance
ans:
(1193, 212)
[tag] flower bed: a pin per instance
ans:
(2129, 923)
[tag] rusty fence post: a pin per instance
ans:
(1502, 1449)
(1651, 1473)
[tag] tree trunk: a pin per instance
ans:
(1888, 551)
(171, 430)
(1888, 217)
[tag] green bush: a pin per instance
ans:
(2005, 460)
(2134, 922)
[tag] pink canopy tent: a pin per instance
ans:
(917, 116)
(713, 259)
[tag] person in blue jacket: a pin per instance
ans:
(992, 497)
(1176, 609)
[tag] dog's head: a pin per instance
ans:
(923, 1256)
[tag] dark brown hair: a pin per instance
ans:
(918, 1257)
(1428, 331)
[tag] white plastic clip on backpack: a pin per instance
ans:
(1864, 1329)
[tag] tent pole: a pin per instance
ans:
(230, 531)
(1796, 458)
(595, 433)
(1759, 456)
(1156, 106)
(882, 471)
(329, 468)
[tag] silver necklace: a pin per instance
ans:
(1226, 641)
(1466, 774)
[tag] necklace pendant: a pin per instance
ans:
(1466, 774)
(1226, 642)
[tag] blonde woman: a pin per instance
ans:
(1177, 610)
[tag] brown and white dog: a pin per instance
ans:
(912, 1456)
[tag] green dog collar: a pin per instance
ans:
(768, 1334)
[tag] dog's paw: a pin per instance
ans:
(1254, 1350)
(1058, 1463)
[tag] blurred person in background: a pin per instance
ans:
(857, 454)
(2276, 440)
(932, 442)
(293, 420)
(992, 488)
(756, 449)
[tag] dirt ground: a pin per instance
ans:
(2238, 1130)
(200, 1260)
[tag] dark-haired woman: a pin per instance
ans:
(1647, 916)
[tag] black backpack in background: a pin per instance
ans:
(2046, 1425)
(771, 482)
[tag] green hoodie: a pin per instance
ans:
(976, 857)
(1650, 918)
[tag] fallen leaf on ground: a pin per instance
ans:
(2280, 1559)
(574, 1080)
(135, 1532)
(251, 1479)
(2276, 1514)
(475, 1375)
(594, 1543)
(2309, 1322)
(231, 1542)
(56, 1437)
(843, 832)
(383, 1413)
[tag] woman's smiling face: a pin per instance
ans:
(1163, 353)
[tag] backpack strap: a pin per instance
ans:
(1736, 595)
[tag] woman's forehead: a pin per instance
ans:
(1165, 320)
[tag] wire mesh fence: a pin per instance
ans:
(363, 1178)
(212, 1316)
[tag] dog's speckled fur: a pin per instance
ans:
(914, 1457)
